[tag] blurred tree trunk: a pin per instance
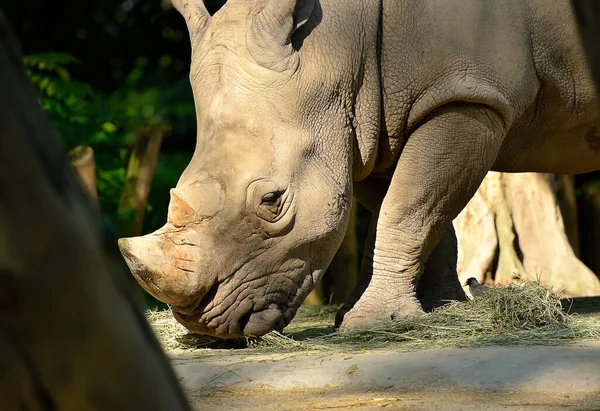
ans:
(567, 202)
(71, 337)
(82, 160)
(140, 172)
(514, 229)
(341, 275)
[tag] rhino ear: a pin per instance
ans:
(195, 14)
(302, 12)
(276, 23)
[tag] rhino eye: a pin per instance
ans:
(270, 206)
(276, 207)
(272, 199)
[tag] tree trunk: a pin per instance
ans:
(567, 203)
(71, 337)
(140, 172)
(82, 160)
(513, 230)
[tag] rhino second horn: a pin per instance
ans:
(180, 211)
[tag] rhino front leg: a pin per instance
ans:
(442, 165)
(439, 282)
(438, 285)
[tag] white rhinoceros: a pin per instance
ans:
(405, 104)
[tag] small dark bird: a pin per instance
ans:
(474, 287)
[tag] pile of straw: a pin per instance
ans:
(525, 314)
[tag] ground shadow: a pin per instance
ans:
(581, 305)
(310, 333)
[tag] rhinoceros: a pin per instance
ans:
(302, 104)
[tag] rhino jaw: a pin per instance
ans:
(243, 322)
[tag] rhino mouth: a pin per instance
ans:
(250, 323)
(243, 315)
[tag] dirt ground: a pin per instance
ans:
(331, 399)
(562, 377)
(527, 378)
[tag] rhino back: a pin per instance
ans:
(503, 54)
(554, 133)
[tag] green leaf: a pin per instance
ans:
(109, 127)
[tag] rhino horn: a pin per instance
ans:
(157, 269)
(195, 14)
(179, 209)
(195, 202)
(273, 27)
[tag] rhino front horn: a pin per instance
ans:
(150, 267)
(135, 250)
(167, 264)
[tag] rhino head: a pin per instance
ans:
(260, 211)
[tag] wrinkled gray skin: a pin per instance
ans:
(406, 105)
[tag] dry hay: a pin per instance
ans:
(174, 337)
(526, 314)
(310, 322)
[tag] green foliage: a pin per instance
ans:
(83, 115)
(62, 98)
(590, 188)
(51, 62)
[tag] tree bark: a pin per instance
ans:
(82, 160)
(71, 336)
(140, 172)
(567, 202)
(513, 230)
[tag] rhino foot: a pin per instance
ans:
(364, 315)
